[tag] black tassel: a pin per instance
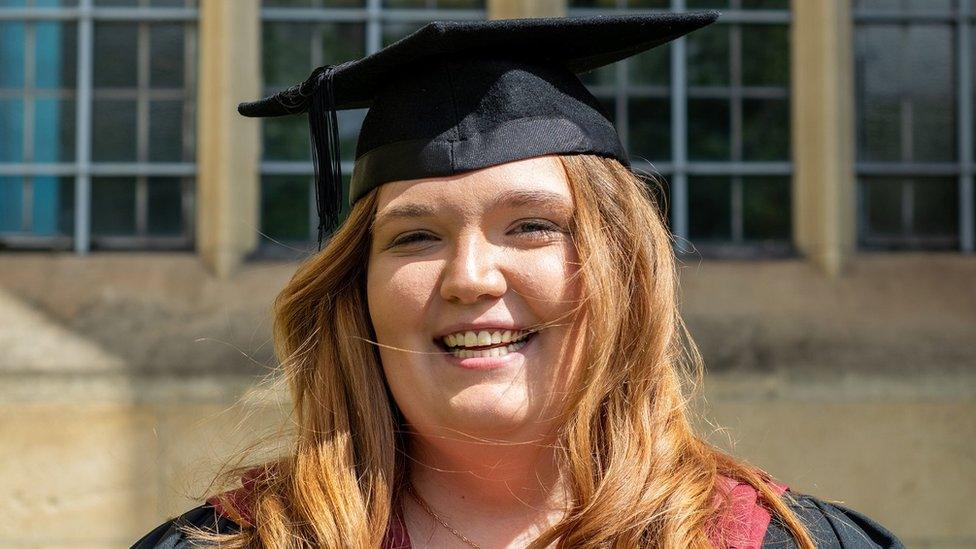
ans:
(324, 137)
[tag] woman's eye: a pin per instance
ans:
(410, 238)
(543, 227)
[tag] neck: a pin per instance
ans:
(485, 477)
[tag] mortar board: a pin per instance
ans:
(456, 96)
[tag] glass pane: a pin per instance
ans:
(113, 205)
(54, 130)
(287, 53)
(11, 204)
(661, 193)
(115, 55)
(650, 128)
(285, 203)
(592, 3)
(902, 117)
(765, 55)
(904, 5)
(605, 76)
(11, 130)
(708, 56)
(286, 138)
(166, 131)
(165, 206)
(651, 67)
(936, 207)
(113, 130)
(55, 55)
(882, 205)
(660, 4)
(12, 41)
(932, 112)
(52, 205)
(708, 129)
(710, 208)
(766, 4)
(707, 3)
(287, 3)
(342, 42)
(166, 56)
(443, 4)
(765, 129)
(766, 208)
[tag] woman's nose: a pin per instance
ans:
(472, 272)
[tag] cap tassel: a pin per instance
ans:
(324, 137)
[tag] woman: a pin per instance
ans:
(488, 351)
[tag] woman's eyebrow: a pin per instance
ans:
(513, 198)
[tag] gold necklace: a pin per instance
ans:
(423, 504)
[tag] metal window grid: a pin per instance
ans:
(681, 167)
(961, 19)
(85, 15)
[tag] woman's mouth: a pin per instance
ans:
(484, 344)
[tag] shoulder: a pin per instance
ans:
(831, 526)
(171, 534)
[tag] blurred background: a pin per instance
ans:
(818, 158)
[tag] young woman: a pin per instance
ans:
(488, 352)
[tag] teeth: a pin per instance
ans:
(483, 338)
(494, 352)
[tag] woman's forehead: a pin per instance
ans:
(533, 181)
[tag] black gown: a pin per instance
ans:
(831, 526)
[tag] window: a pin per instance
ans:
(299, 35)
(710, 113)
(97, 118)
(914, 122)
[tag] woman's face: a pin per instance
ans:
(460, 268)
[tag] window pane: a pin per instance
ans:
(904, 5)
(605, 76)
(650, 128)
(115, 54)
(285, 207)
(12, 41)
(11, 130)
(342, 42)
(52, 205)
(883, 205)
(708, 56)
(766, 208)
(165, 206)
(286, 138)
(660, 4)
(766, 4)
(902, 117)
(710, 208)
(765, 129)
(765, 55)
(443, 4)
(166, 56)
(609, 105)
(54, 130)
(651, 67)
(166, 131)
(55, 55)
(707, 3)
(113, 130)
(287, 53)
(11, 204)
(936, 204)
(349, 124)
(113, 203)
(708, 129)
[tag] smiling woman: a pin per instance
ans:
(488, 352)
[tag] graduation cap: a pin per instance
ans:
(456, 96)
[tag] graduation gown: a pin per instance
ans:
(832, 526)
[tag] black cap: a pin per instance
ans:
(456, 96)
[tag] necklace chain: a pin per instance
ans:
(423, 504)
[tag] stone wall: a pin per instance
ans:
(126, 380)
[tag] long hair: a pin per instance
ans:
(639, 474)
